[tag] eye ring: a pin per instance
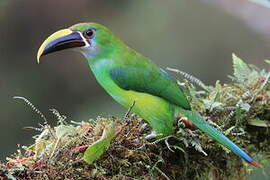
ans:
(89, 33)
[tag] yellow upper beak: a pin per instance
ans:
(51, 38)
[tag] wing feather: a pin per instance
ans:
(153, 81)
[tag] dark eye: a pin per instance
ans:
(88, 34)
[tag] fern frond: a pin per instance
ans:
(32, 106)
(189, 77)
(61, 118)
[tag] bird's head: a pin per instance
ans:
(88, 38)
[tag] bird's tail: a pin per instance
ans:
(200, 123)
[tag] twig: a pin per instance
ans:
(155, 142)
(168, 145)
(128, 112)
(162, 173)
(61, 118)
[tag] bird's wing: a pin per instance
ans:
(152, 81)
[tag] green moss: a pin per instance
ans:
(241, 110)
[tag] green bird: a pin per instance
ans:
(132, 79)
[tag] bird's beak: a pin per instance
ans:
(63, 39)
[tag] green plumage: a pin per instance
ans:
(132, 81)
(149, 80)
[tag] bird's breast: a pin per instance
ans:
(152, 108)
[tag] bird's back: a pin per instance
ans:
(135, 72)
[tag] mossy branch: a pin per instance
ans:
(111, 148)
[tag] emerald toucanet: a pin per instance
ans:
(130, 77)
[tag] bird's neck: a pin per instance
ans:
(101, 65)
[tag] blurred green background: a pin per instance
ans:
(195, 36)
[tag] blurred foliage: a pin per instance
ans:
(265, 3)
(110, 148)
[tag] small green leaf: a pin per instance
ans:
(258, 123)
(241, 69)
(64, 130)
(10, 176)
(216, 92)
(212, 105)
(243, 106)
(94, 151)
(267, 61)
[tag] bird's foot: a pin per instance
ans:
(189, 124)
(185, 122)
